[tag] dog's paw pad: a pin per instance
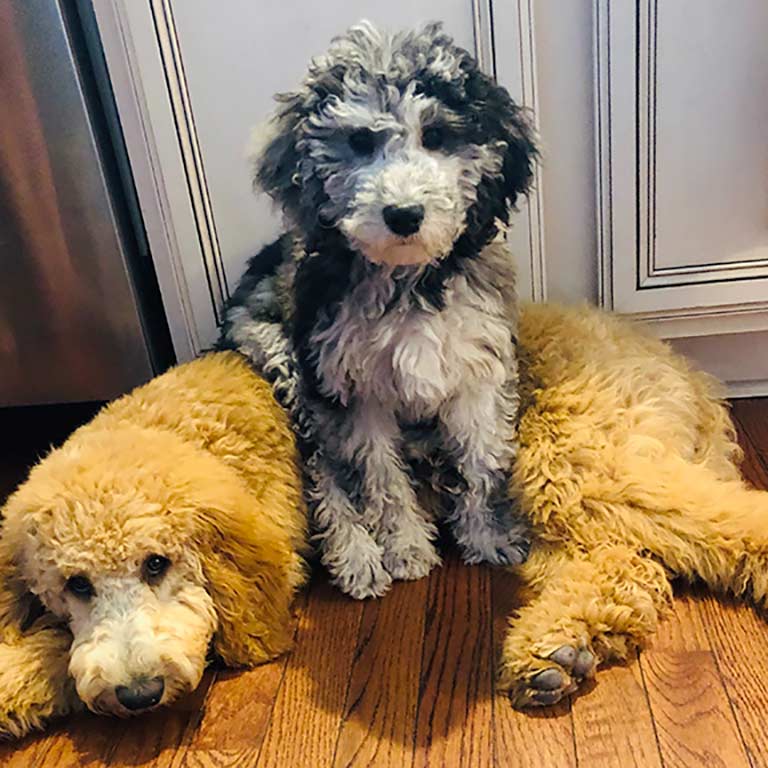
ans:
(542, 687)
(579, 661)
(585, 664)
(565, 656)
(549, 680)
(546, 698)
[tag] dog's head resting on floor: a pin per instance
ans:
(398, 142)
(140, 544)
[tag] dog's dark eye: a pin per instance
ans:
(80, 587)
(154, 568)
(432, 137)
(362, 141)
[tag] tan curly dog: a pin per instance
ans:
(170, 524)
(629, 474)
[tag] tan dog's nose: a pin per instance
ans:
(141, 693)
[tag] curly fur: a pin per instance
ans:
(198, 466)
(390, 328)
(628, 471)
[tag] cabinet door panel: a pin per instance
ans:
(683, 159)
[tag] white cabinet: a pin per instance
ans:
(682, 153)
(653, 196)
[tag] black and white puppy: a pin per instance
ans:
(389, 308)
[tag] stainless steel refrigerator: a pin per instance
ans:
(80, 313)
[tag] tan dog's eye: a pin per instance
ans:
(80, 587)
(154, 568)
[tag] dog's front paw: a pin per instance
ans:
(496, 546)
(410, 560)
(357, 568)
(559, 674)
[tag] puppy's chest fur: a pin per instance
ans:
(385, 343)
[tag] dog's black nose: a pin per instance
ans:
(141, 693)
(403, 220)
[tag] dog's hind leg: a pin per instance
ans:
(701, 525)
(590, 607)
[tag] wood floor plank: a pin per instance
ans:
(454, 720)
(384, 688)
(306, 719)
(683, 629)
(694, 721)
(24, 754)
(86, 739)
(237, 712)
(613, 723)
(752, 427)
(739, 640)
(537, 738)
(33, 750)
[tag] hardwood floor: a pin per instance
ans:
(408, 681)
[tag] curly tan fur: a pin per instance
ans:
(199, 466)
(628, 471)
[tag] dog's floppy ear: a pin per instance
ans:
(502, 119)
(35, 684)
(521, 154)
(19, 608)
(252, 574)
(274, 155)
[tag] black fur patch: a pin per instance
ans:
(261, 265)
(488, 115)
(35, 609)
(321, 282)
(348, 477)
(479, 231)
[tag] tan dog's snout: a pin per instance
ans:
(136, 648)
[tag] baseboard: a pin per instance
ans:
(738, 359)
(741, 389)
